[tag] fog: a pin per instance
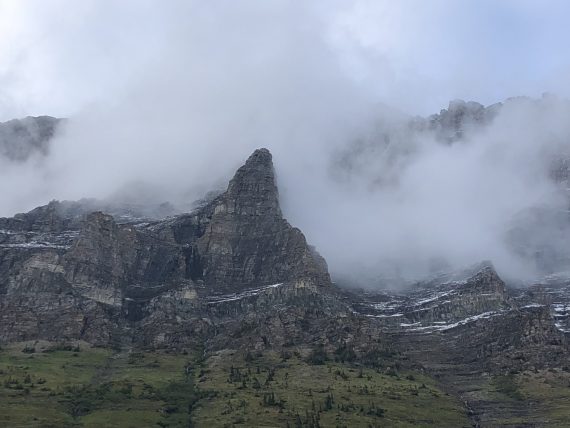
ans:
(166, 100)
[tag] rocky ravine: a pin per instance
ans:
(235, 274)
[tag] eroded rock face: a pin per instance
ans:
(156, 274)
(225, 273)
(241, 239)
(234, 273)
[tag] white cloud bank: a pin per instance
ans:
(177, 94)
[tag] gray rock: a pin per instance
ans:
(142, 279)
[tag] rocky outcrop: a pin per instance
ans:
(240, 239)
(439, 304)
(156, 274)
(473, 325)
(484, 292)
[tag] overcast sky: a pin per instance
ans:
(59, 56)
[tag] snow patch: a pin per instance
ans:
(443, 326)
(242, 295)
(383, 315)
(435, 297)
(28, 245)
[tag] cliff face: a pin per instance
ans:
(232, 264)
(91, 273)
(234, 274)
(241, 239)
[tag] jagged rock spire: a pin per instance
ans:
(253, 189)
(245, 240)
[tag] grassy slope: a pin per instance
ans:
(97, 387)
(553, 388)
(333, 394)
(546, 393)
(93, 388)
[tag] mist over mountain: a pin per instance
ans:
(280, 213)
(399, 199)
(339, 94)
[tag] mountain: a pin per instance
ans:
(235, 275)
(226, 316)
(70, 274)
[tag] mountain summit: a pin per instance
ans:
(241, 239)
(253, 189)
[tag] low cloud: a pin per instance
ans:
(165, 103)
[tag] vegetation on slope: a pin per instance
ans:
(74, 385)
(287, 390)
(61, 385)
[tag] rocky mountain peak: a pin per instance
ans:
(253, 189)
(487, 281)
(261, 157)
(243, 240)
